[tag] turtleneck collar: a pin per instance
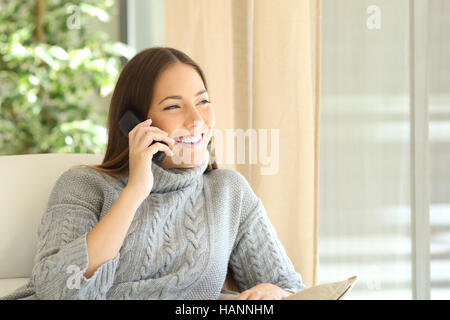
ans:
(167, 180)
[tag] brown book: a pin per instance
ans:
(327, 291)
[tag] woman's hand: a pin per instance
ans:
(263, 291)
(141, 153)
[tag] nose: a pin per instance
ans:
(194, 119)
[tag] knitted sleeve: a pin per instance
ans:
(258, 256)
(62, 258)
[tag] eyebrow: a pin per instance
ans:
(179, 97)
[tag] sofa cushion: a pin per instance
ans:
(26, 183)
(7, 286)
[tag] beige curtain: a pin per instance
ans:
(261, 62)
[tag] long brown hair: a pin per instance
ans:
(134, 90)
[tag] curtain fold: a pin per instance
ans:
(261, 60)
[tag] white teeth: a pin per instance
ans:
(194, 139)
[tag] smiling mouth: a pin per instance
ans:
(190, 141)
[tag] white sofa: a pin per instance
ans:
(25, 185)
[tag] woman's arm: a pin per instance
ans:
(259, 257)
(63, 254)
(106, 239)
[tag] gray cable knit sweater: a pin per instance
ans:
(179, 245)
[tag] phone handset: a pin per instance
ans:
(128, 121)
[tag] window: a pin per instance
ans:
(371, 178)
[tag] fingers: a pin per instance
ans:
(249, 295)
(256, 295)
(150, 151)
(243, 296)
(144, 129)
(149, 136)
(133, 131)
(143, 134)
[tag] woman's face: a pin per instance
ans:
(180, 106)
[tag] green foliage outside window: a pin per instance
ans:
(52, 66)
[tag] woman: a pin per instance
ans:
(131, 228)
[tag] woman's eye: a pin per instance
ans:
(170, 107)
(175, 106)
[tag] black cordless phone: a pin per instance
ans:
(128, 121)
